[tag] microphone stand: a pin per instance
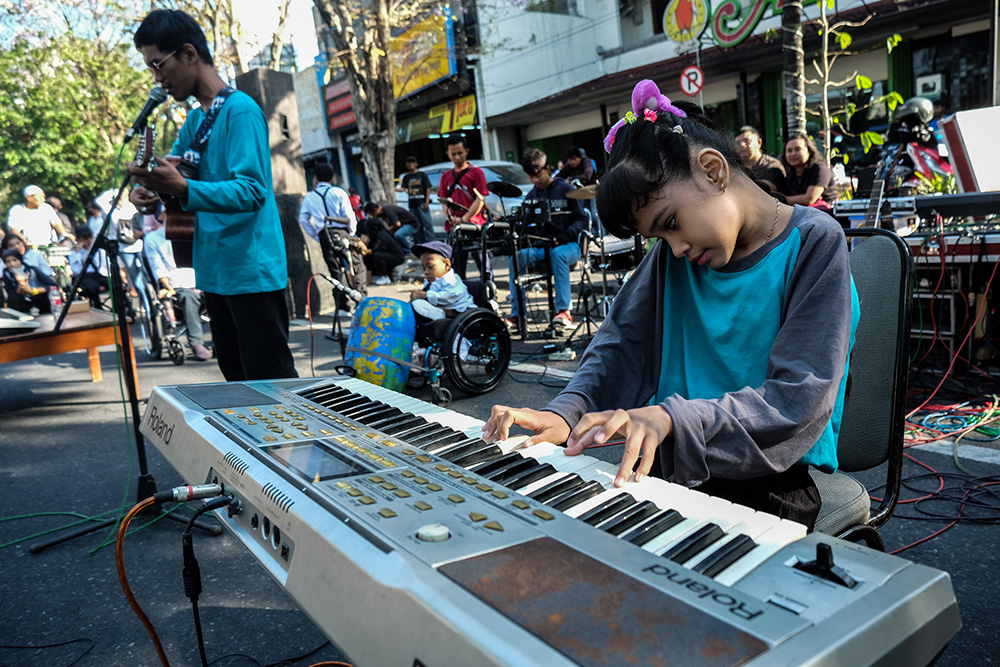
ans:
(146, 483)
(351, 294)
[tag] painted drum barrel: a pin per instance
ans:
(385, 328)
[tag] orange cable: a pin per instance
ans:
(123, 578)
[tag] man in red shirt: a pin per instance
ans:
(460, 186)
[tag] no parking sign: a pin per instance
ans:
(692, 80)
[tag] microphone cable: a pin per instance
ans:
(177, 494)
(123, 578)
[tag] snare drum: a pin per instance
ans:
(620, 255)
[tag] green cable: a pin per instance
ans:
(83, 519)
(138, 528)
(954, 444)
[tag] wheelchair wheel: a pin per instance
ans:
(176, 352)
(442, 396)
(476, 351)
(149, 317)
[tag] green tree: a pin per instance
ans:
(361, 34)
(835, 42)
(68, 103)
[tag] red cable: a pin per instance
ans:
(954, 358)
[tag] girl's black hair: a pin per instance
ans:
(645, 156)
(814, 156)
(169, 30)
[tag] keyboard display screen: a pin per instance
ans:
(315, 461)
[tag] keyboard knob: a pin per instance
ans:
(433, 532)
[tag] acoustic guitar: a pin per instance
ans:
(178, 224)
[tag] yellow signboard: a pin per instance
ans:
(456, 114)
(422, 55)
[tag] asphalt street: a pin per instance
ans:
(66, 455)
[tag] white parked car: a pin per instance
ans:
(508, 172)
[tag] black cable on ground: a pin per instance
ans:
(191, 572)
(65, 643)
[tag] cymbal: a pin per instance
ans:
(451, 203)
(586, 192)
(501, 189)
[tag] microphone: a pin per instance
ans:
(156, 97)
(354, 294)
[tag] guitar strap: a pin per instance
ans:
(191, 158)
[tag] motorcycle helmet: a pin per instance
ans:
(916, 110)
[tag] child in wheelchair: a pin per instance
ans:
(453, 336)
(443, 295)
(177, 299)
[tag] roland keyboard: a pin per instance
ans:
(410, 541)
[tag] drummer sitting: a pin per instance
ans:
(567, 220)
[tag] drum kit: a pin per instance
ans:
(611, 256)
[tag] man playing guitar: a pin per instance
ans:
(239, 249)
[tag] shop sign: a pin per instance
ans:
(337, 105)
(731, 22)
(684, 20)
(441, 119)
(423, 55)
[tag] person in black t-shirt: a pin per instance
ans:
(809, 181)
(382, 254)
(417, 186)
(577, 167)
(400, 223)
(764, 169)
(566, 220)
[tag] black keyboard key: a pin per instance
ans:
(427, 427)
(577, 496)
(558, 487)
(724, 556)
(512, 470)
(436, 434)
(461, 449)
(607, 509)
(349, 402)
(443, 442)
(403, 425)
(478, 456)
(633, 516)
(373, 413)
(485, 469)
(392, 419)
(697, 541)
(656, 526)
(541, 471)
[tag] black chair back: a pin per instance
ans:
(874, 409)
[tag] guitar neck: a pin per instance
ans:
(874, 203)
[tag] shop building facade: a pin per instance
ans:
(559, 73)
